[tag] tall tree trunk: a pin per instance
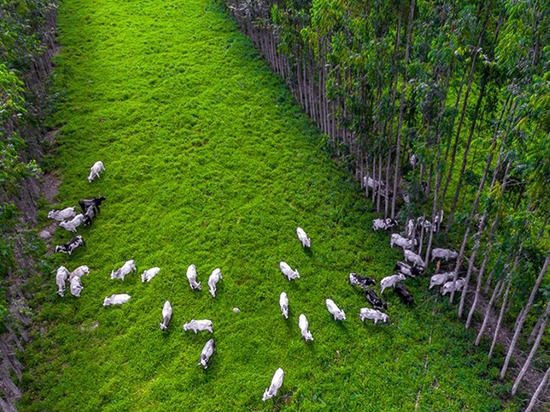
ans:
(540, 388)
(499, 287)
(500, 317)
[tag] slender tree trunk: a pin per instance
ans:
(540, 388)
(499, 287)
(500, 317)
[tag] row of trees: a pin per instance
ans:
(437, 106)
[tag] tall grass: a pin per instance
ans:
(208, 161)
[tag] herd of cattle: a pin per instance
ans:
(69, 220)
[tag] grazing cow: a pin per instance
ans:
(335, 311)
(89, 215)
(213, 280)
(76, 286)
(440, 279)
(408, 270)
(438, 218)
(362, 281)
(446, 254)
(375, 315)
(303, 324)
(426, 224)
(372, 183)
(192, 277)
(166, 315)
(448, 287)
(207, 352)
(61, 277)
(410, 228)
(276, 383)
(306, 242)
(288, 272)
(95, 202)
(397, 239)
(374, 300)
(149, 274)
(384, 224)
(61, 215)
(128, 267)
(116, 299)
(95, 169)
(71, 225)
(413, 160)
(79, 272)
(198, 325)
(390, 281)
(404, 294)
(283, 303)
(70, 246)
(414, 259)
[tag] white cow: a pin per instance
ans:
(213, 280)
(397, 239)
(390, 281)
(372, 183)
(61, 215)
(61, 277)
(334, 310)
(116, 299)
(426, 224)
(207, 352)
(276, 383)
(79, 272)
(192, 277)
(128, 267)
(384, 224)
(411, 228)
(306, 242)
(448, 287)
(283, 303)
(375, 315)
(166, 315)
(303, 324)
(95, 169)
(149, 274)
(288, 272)
(414, 258)
(198, 325)
(76, 286)
(446, 254)
(440, 279)
(71, 225)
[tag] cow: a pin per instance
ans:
(413, 160)
(213, 280)
(303, 324)
(76, 286)
(95, 169)
(166, 315)
(426, 224)
(128, 267)
(374, 300)
(116, 299)
(79, 272)
(403, 293)
(372, 183)
(71, 225)
(397, 239)
(283, 303)
(89, 215)
(446, 254)
(61, 277)
(410, 229)
(414, 259)
(448, 287)
(95, 202)
(306, 242)
(375, 315)
(390, 281)
(69, 247)
(288, 272)
(207, 352)
(199, 325)
(408, 270)
(149, 274)
(440, 279)
(61, 215)
(276, 383)
(192, 278)
(362, 281)
(384, 224)
(334, 310)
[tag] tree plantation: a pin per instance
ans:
(215, 205)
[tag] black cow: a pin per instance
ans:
(362, 281)
(405, 296)
(95, 202)
(408, 270)
(374, 300)
(72, 245)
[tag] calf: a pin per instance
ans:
(375, 315)
(408, 270)
(362, 281)
(288, 272)
(149, 274)
(390, 281)
(448, 287)
(71, 225)
(89, 215)
(384, 224)
(283, 303)
(213, 280)
(95, 202)
(166, 315)
(446, 254)
(76, 286)
(128, 267)
(334, 310)
(276, 383)
(397, 239)
(199, 325)
(374, 300)
(61, 277)
(70, 246)
(303, 324)
(61, 215)
(440, 279)
(79, 272)
(306, 242)
(207, 352)
(405, 296)
(192, 278)
(95, 169)
(414, 259)
(116, 299)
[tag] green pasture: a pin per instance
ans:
(209, 161)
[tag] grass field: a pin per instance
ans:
(208, 161)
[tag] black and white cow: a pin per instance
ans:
(403, 293)
(362, 281)
(408, 270)
(95, 202)
(70, 246)
(384, 224)
(89, 215)
(374, 300)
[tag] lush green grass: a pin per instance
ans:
(209, 162)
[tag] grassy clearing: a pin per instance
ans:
(209, 162)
